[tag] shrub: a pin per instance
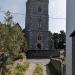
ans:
(21, 68)
(38, 70)
(10, 70)
(18, 70)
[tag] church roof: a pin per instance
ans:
(73, 33)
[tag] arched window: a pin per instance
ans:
(39, 37)
(39, 9)
(39, 22)
(39, 46)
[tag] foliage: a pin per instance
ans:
(62, 40)
(10, 70)
(50, 43)
(56, 40)
(59, 40)
(8, 18)
(53, 70)
(18, 70)
(21, 68)
(11, 41)
(38, 70)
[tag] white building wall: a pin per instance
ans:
(70, 22)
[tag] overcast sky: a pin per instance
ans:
(57, 13)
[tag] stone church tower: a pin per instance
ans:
(37, 24)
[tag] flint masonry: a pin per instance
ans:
(37, 24)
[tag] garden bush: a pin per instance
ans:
(38, 70)
(10, 70)
(18, 70)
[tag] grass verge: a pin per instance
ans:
(19, 69)
(38, 70)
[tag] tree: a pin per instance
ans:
(56, 40)
(8, 18)
(62, 40)
(12, 42)
(3, 47)
(50, 43)
(59, 40)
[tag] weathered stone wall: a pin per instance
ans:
(37, 23)
(61, 68)
(73, 55)
(57, 65)
(42, 54)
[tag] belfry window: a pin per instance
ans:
(39, 9)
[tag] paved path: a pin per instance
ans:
(39, 61)
(31, 69)
(33, 63)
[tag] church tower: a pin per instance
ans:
(37, 24)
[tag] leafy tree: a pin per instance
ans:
(3, 49)
(62, 40)
(59, 40)
(8, 18)
(50, 43)
(12, 42)
(56, 40)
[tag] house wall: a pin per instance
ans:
(70, 25)
(57, 65)
(73, 55)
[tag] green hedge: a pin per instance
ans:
(38, 70)
(53, 69)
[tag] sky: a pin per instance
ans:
(57, 13)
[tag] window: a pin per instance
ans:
(39, 22)
(39, 46)
(39, 9)
(39, 37)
